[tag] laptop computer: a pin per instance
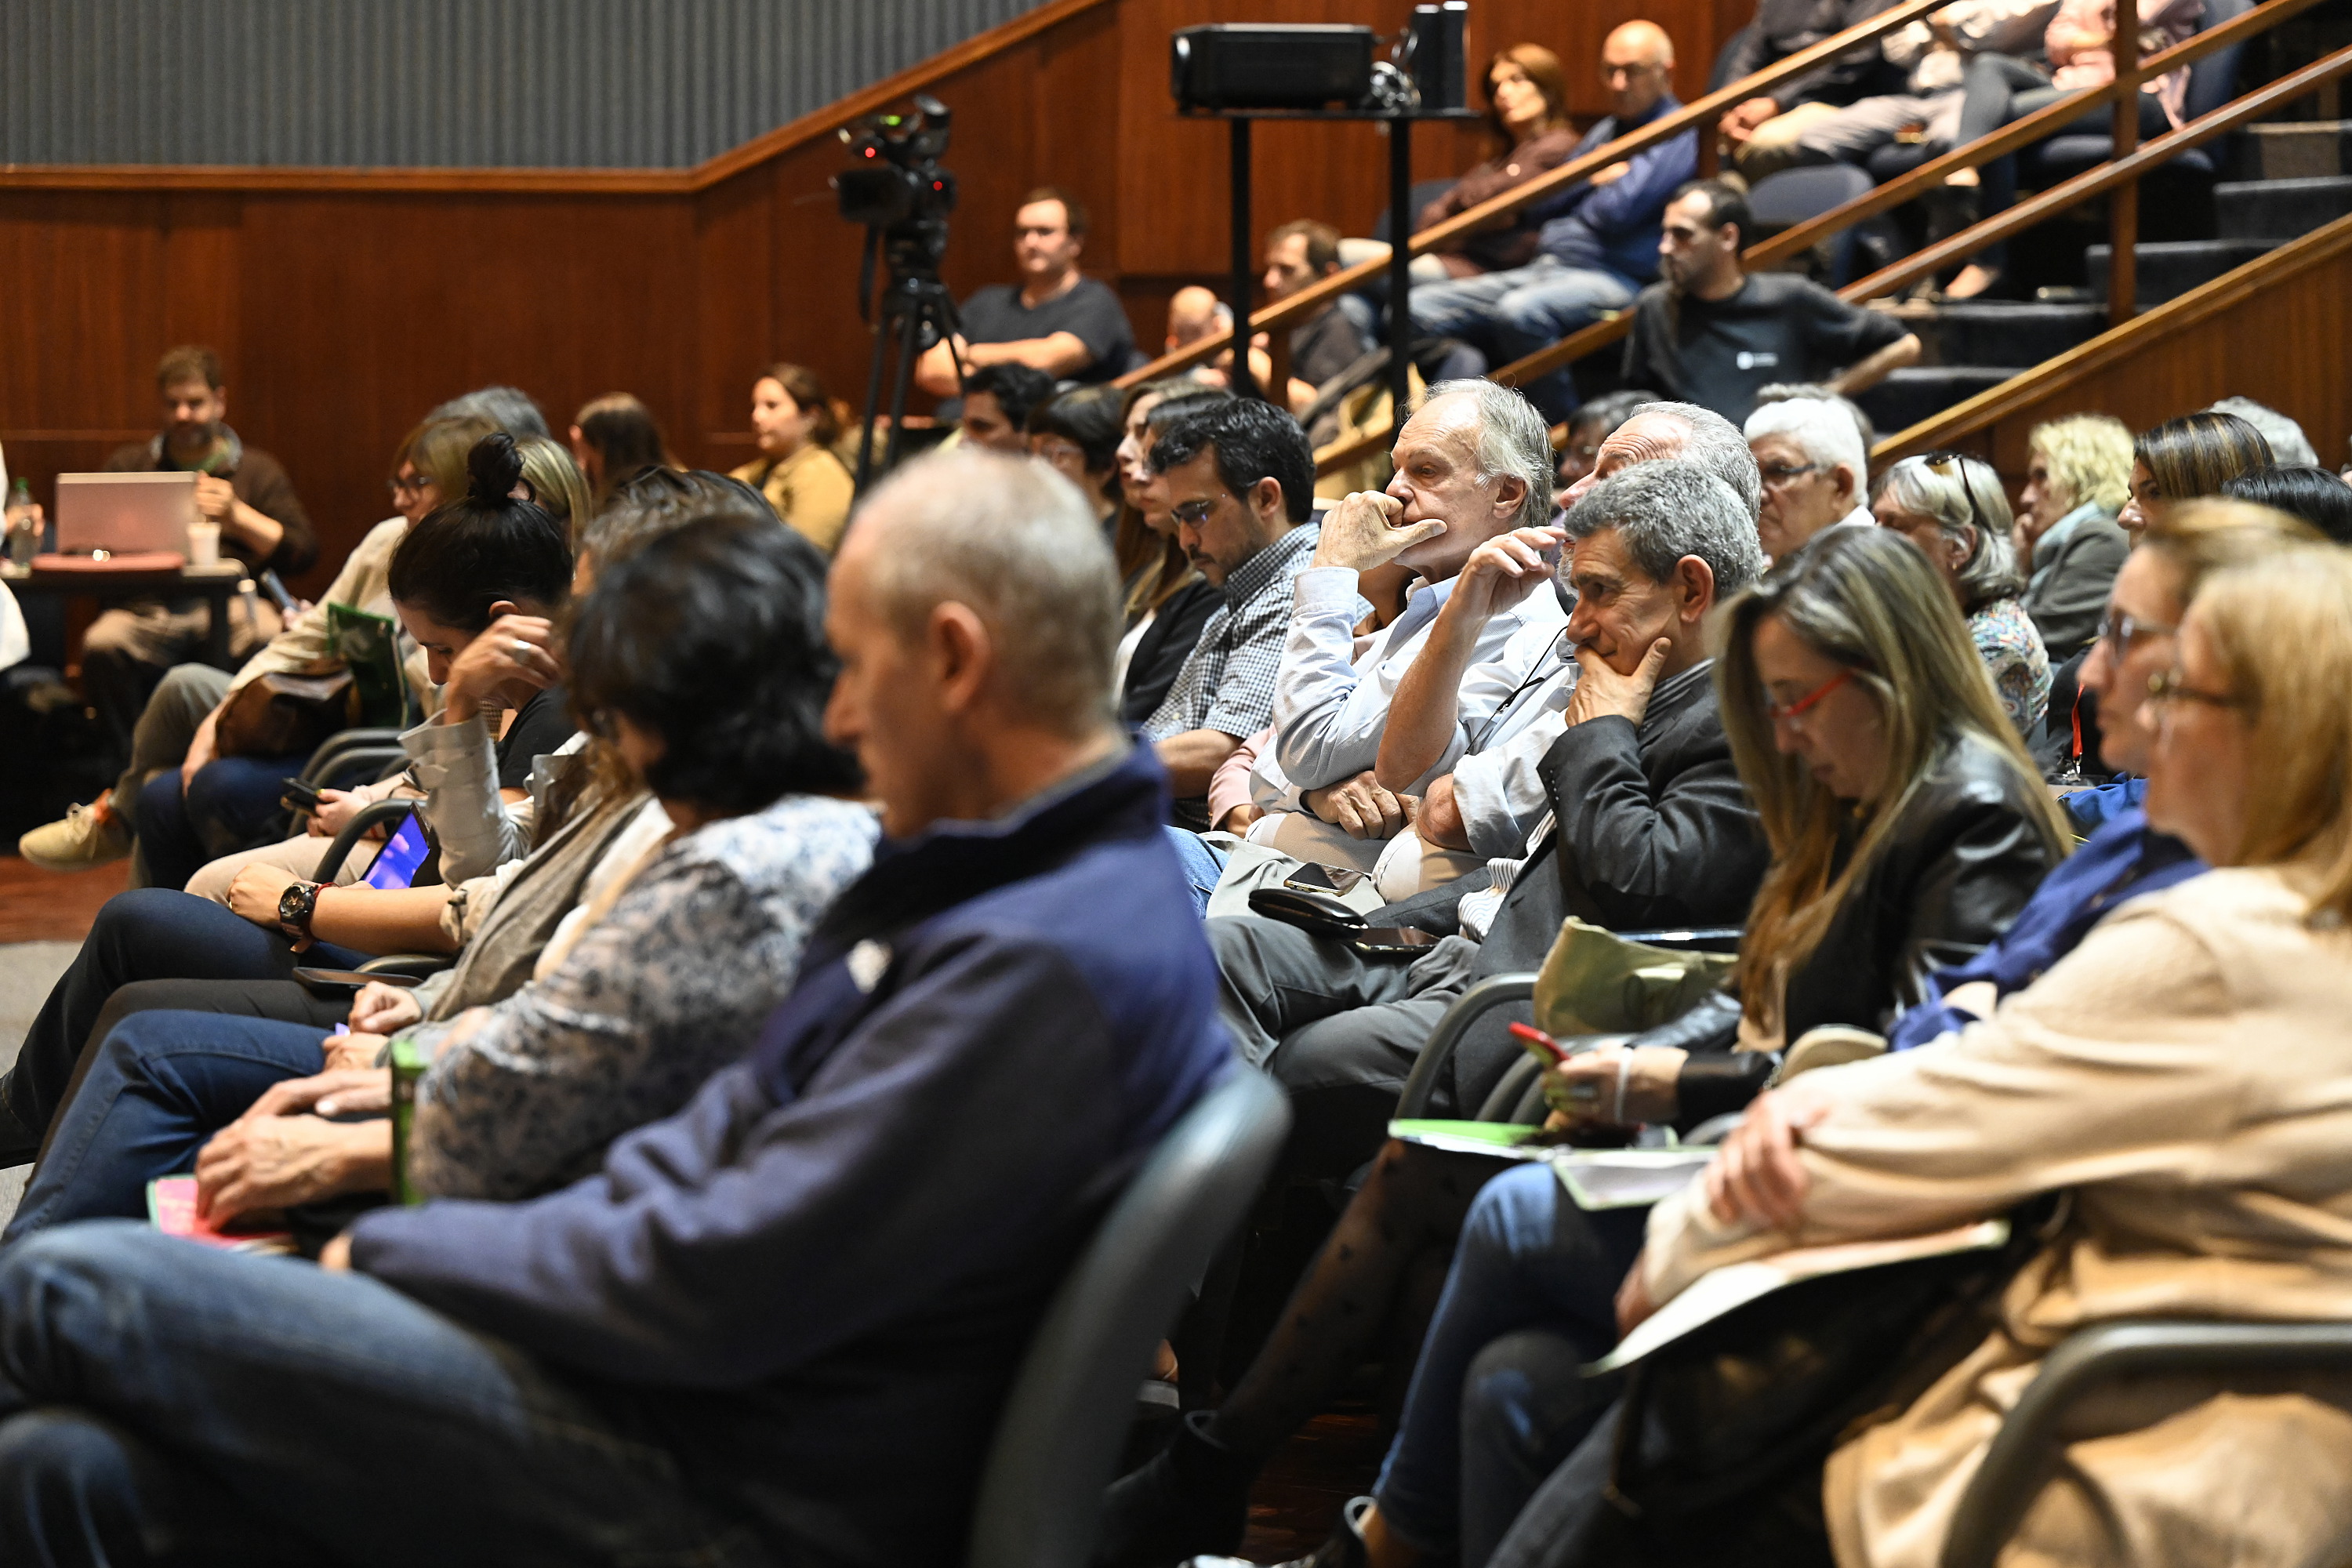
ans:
(125, 514)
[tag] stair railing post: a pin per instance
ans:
(2123, 205)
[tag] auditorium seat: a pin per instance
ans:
(1058, 1441)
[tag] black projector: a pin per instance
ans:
(1244, 65)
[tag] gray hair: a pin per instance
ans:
(510, 408)
(1824, 431)
(1715, 444)
(2290, 448)
(1513, 442)
(1782, 391)
(1940, 489)
(1016, 544)
(1667, 510)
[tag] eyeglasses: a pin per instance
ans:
(1780, 712)
(2119, 631)
(407, 485)
(2172, 686)
(1778, 475)
(1192, 513)
(1059, 452)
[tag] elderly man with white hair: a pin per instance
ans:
(1816, 473)
(1646, 822)
(1473, 462)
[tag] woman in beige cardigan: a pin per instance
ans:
(2187, 1074)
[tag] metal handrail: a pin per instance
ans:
(2124, 170)
(1699, 115)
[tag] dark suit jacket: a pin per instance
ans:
(2067, 604)
(1654, 828)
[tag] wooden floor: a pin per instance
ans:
(47, 906)
(1334, 1458)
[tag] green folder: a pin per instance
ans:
(369, 646)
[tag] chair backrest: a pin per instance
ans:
(1058, 1440)
(2213, 80)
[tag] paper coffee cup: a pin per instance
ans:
(204, 544)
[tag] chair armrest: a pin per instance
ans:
(2027, 1445)
(1495, 991)
(384, 812)
(330, 750)
(416, 965)
(359, 766)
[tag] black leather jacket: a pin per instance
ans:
(1968, 850)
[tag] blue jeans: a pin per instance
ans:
(231, 805)
(147, 933)
(1510, 315)
(160, 1087)
(1529, 1259)
(164, 1400)
(1203, 865)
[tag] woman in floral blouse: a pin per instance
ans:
(1954, 508)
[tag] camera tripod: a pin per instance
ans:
(912, 299)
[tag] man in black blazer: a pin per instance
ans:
(1650, 826)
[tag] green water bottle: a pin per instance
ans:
(23, 524)
(408, 1064)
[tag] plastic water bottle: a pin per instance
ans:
(23, 524)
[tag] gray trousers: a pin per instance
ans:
(1853, 134)
(166, 728)
(1339, 1030)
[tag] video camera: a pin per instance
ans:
(896, 183)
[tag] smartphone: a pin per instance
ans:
(352, 978)
(276, 589)
(1312, 877)
(296, 796)
(395, 865)
(1392, 939)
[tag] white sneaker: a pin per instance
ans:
(89, 835)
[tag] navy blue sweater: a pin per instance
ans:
(814, 1283)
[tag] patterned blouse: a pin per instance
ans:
(671, 985)
(2014, 656)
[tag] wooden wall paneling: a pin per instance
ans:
(735, 326)
(365, 313)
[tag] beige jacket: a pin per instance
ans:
(809, 490)
(2187, 1072)
(364, 584)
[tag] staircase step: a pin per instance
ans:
(2169, 269)
(1999, 331)
(1907, 396)
(2279, 210)
(2303, 149)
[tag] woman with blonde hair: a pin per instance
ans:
(796, 424)
(2143, 1076)
(1954, 510)
(2077, 476)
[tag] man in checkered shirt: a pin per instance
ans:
(1241, 476)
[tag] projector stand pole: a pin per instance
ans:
(1400, 226)
(1244, 383)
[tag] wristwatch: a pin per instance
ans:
(296, 905)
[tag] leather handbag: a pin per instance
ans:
(283, 715)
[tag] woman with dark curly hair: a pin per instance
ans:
(701, 657)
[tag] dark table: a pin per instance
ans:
(215, 585)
